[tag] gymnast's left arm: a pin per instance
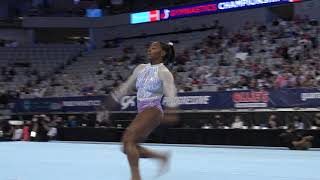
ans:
(170, 92)
(114, 98)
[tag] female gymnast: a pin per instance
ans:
(152, 81)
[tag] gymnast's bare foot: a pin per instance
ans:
(164, 163)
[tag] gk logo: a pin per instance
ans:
(128, 101)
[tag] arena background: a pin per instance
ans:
(61, 58)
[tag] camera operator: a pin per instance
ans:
(6, 130)
(295, 140)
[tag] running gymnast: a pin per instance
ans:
(152, 81)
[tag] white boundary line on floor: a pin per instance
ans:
(186, 145)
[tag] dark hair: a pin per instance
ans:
(169, 58)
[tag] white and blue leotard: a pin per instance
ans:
(152, 83)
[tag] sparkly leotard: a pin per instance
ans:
(152, 83)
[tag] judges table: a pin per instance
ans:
(242, 137)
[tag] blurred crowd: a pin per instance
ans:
(45, 127)
(10, 73)
(27, 72)
(281, 54)
(39, 128)
(272, 122)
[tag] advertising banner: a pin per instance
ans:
(285, 98)
(213, 7)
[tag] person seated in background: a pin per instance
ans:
(88, 90)
(272, 122)
(86, 121)
(7, 129)
(207, 125)
(103, 118)
(237, 123)
(40, 128)
(298, 124)
(1, 134)
(218, 124)
(72, 122)
(316, 122)
(58, 120)
(27, 130)
(53, 131)
(294, 140)
(17, 133)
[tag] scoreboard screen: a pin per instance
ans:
(213, 7)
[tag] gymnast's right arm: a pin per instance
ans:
(115, 96)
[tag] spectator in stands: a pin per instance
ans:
(183, 57)
(101, 68)
(38, 93)
(281, 81)
(298, 123)
(1, 134)
(86, 121)
(138, 59)
(72, 122)
(316, 121)
(237, 123)
(40, 128)
(4, 98)
(272, 122)
(267, 61)
(88, 90)
(218, 124)
(295, 140)
(17, 133)
(27, 130)
(103, 118)
(58, 120)
(222, 61)
(52, 130)
(207, 125)
(6, 129)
